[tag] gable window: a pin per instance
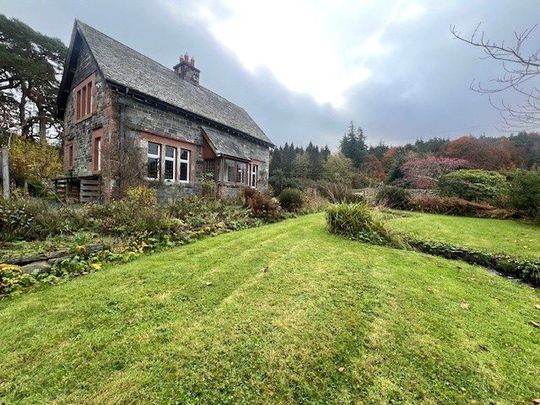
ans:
(170, 163)
(184, 165)
(254, 174)
(153, 165)
(83, 100)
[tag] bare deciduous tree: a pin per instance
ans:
(520, 62)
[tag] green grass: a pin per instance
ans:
(492, 235)
(331, 321)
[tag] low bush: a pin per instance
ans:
(141, 196)
(393, 197)
(12, 279)
(291, 199)
(338, 192)
(458, 206)
(261, 205)
(524, 192)
(360, 222)
(474, 185)
(525, 269)
(32, 218)
(313, 201)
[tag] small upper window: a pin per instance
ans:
(154, 162)
(83, 101)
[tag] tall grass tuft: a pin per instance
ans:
(360, 222)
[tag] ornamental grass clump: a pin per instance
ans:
(360, 222)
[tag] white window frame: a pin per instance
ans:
(153, 156)
(170, 159)
(187, 161)
(254, 175)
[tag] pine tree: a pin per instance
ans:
(30, 67)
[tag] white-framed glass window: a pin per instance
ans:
(254, 175)
(154, 161)
(241, 172)
(184, 165)
(169, 173)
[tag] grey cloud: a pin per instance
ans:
(420, 89)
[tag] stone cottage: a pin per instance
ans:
(129, 119)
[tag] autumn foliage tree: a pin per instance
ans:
(423, 172)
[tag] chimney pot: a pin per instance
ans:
(186, 69)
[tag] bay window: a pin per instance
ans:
(235, 171)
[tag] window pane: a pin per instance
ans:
(184, 155)
(184, 171)
(210, 168)
(170, 151)
(97, 153)
(230, 168)
(78, 105)
(153, 168)
(169, 170)
(153, 148)
(241, 173)
(89, 99)
(83, 101)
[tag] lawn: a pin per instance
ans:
(492, 235)
(329, 321)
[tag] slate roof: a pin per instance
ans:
(225, 145)
(125, 66)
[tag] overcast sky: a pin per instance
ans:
(304, 69)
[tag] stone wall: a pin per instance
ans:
(80, 133)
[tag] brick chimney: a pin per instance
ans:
(186, 69)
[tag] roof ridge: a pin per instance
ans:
(121, 43)
(149, 58)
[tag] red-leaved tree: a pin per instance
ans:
(423, 172)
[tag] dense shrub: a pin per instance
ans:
(291, 199)
(458, 206)
(393, 197)
(141, 196)
(338, 192)
(261, 205)
(313, 201)
(359, 221)
(524, 192)
(474, 185)
(423, 172)
(30, 218)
